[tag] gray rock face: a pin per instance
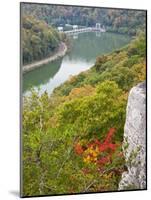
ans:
(134, 145)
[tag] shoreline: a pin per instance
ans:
(60, 53)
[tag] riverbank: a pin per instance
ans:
(60, 53)
(82, 53)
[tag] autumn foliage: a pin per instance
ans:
(66, 145)
(96, 151)
(78, 149)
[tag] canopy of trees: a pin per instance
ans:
(116, 20)
(38, 39)
(72, 139)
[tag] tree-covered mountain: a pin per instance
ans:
(38, 39)
(117, 20)
(72, 139)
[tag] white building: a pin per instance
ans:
(60, 29)
(98, 26)
(75, 27)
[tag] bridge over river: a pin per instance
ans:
(77, 30)
(83, 30)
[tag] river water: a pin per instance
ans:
(85, 48)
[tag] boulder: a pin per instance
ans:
(134, 145)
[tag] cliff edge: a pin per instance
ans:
(134, 145)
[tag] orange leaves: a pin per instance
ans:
(86, 90)
(78, 149)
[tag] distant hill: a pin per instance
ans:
(116, 20)
(38, 39)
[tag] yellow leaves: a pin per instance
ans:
(86, 90)
(108, 176)
(123, 97)
(91, 154)
(87, 159)
(140, 71)
(120, 57)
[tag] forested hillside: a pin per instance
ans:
(38, 39)
(115, 20)
(72, 139)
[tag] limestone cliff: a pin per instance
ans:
(134, 145)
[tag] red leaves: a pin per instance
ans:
(78, 149)
(108, 146)
(107, 142)
(109, 136)
(97, 142)
(103, 160)
(97, 152)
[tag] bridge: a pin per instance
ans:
(77, 30)
(83, 30)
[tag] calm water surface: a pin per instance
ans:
(85, 48)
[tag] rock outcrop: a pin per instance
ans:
(134, 145)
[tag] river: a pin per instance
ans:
(85, 48)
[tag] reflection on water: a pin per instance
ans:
(98, 34)
(85, 48)
(75, 35)
(40, 76)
